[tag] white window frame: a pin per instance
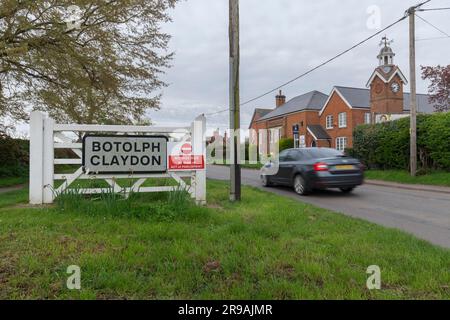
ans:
(367, 118)
(329, 122)
(341, 143)
(342, 120)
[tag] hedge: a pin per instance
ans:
(286, 143)
(386, 145)
(14, 156)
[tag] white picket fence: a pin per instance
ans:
(46, 136)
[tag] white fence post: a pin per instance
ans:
(48, 162)
(199, 148)
(36, 157)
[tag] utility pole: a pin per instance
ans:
(235, 170)
(412, 75)
(413, 106)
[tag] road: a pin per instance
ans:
(425, 214)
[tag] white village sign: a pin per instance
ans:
(112, 152)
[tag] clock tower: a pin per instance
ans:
(386, 84)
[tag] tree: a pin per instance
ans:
(86, 61)
(439, 88)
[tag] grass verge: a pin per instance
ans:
(438, 178)
(154, 247)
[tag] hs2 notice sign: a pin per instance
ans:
(124, 154)
(181, 157)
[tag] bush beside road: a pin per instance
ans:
(265, 247)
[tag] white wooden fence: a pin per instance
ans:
(46, 136)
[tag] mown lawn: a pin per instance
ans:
(266, 247)
(439, 178)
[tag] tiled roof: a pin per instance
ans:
(360, 98)
(259, 113)
(313, 100)
(318, 132)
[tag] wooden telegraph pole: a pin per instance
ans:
(235, 170)
(413, 106)
(412, 76)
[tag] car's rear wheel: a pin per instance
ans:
(265, 181)
(300, 185)
(347, 190)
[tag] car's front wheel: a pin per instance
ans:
(300, 185)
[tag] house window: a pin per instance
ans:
(341, 143)
(343, 120)
(329, 122)
(367, 118)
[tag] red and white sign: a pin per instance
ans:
(181, 158)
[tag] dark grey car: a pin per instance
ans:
(308, 169)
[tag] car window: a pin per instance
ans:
(297, 155)
(290, 156)
(321, 153)
(282, 155)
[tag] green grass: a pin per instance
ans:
(12, 181)
(266, 247)
(439, 178)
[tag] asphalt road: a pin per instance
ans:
(425, 214)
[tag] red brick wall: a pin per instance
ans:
(383, 100)
(354, 117)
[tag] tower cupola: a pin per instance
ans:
(386, 56)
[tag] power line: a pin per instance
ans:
(315, 68)
(214, 113)
(432, 25)
(433, 38)
(433, 9)
(325, 63)
(329, 60)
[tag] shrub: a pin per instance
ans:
(14, 156)
(386, 145)
(286, 143)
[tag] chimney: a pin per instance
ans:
(280, 99)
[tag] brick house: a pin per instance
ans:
(315, 119)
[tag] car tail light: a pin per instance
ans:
(320, 166)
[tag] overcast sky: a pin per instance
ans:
(280, 40)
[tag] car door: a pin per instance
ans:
(281, 159)
(286, 167)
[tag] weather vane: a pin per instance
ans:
(385, 41)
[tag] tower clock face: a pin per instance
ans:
(395, 87)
